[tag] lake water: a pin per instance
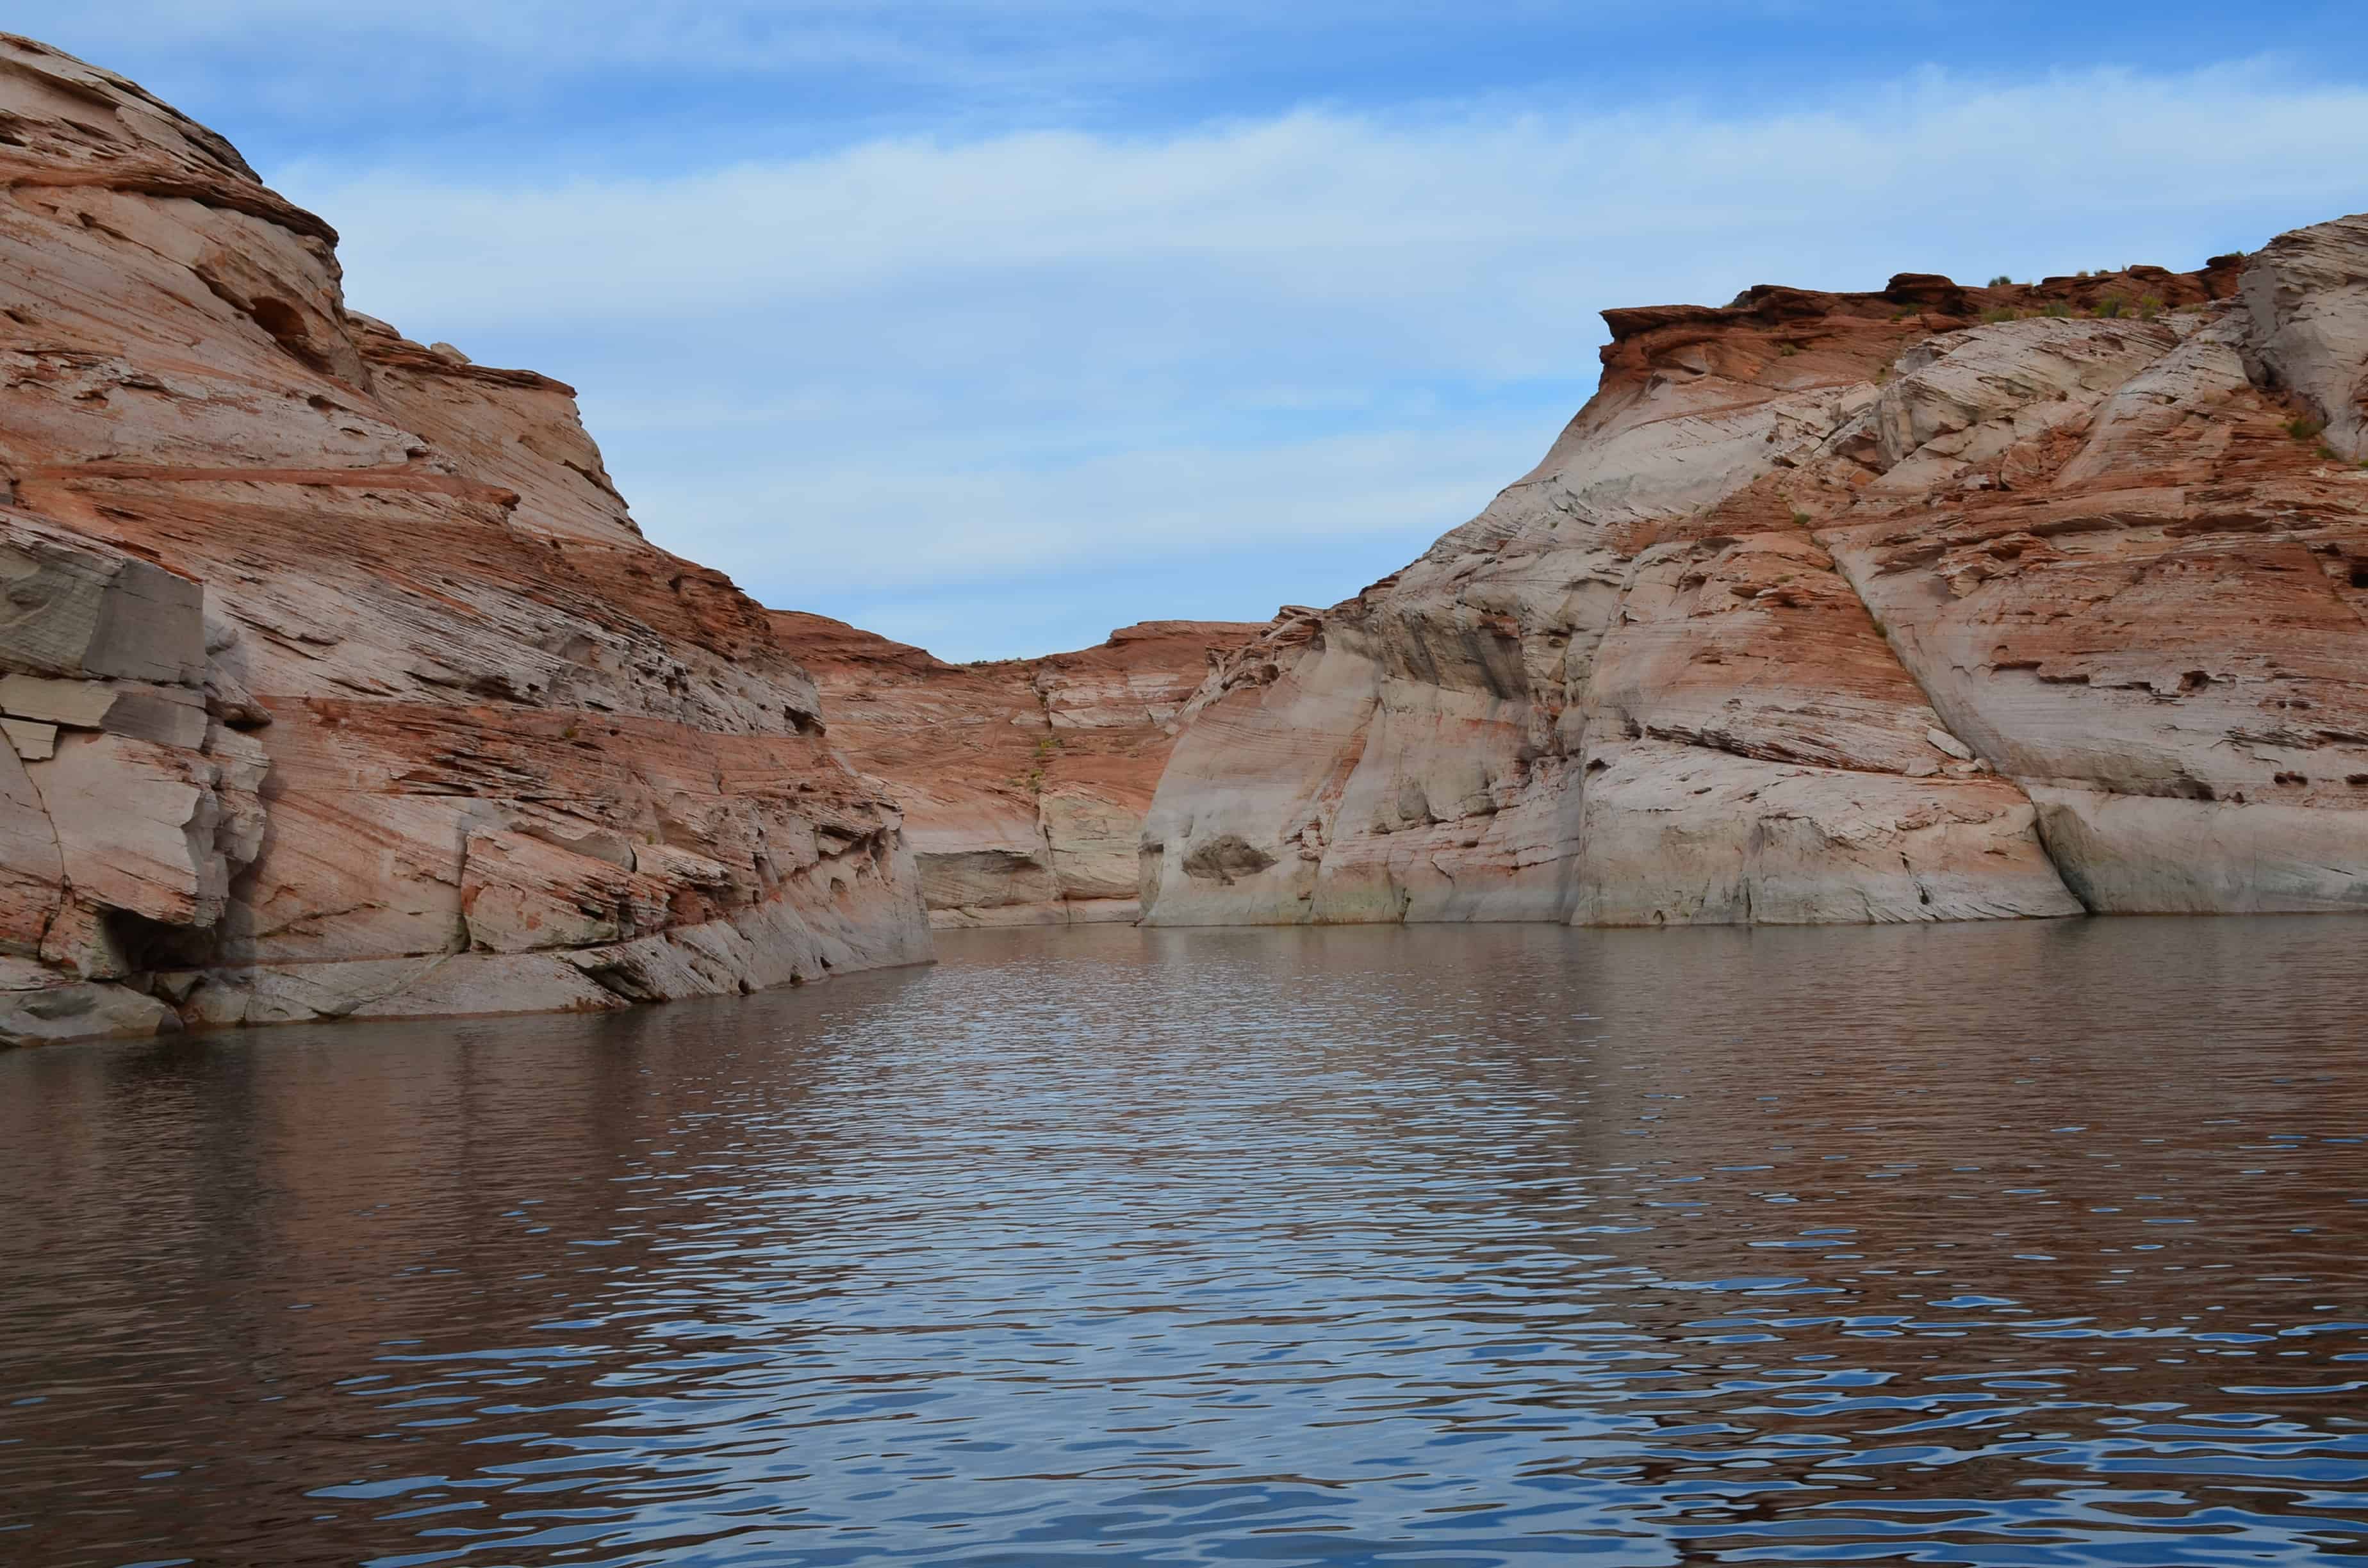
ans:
(2033, 1244)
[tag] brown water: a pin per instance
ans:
(2036, 1243)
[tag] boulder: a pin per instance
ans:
(73, 608)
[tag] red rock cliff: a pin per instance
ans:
(1933, 603)
(1024, 781)
(338, 679)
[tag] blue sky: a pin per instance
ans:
(991, 327)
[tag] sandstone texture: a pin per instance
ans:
(1023, 781)
(1935, 603)
(336, 678)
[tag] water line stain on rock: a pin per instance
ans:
(1936, 603)
(325, 657)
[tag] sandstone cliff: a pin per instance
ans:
(1929, 604)
(1024, 781)
(338, 679)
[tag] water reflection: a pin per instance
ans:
(2033, 1244)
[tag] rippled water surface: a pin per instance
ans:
(2038, 1244)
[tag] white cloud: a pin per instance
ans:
(1172, 509)
(922, 365)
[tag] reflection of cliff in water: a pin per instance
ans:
(417, 1207)
(1685, 1242)
(1690, 1143)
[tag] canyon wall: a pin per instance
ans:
(336, 678)
(1024, 782)
(1936, 603)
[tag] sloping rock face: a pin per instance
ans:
(1937, 603)
(336, 678)
(1024, 781)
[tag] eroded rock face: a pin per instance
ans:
(334, 676)
(2306, 324)
(1931, 604)
(1024, 781)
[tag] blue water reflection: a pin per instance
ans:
(2020, 1244)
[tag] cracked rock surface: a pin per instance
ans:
(336, 680)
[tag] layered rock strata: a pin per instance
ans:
(337, 680)
(1929, 604)
(1024, 781)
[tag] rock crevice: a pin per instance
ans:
(1024, 781)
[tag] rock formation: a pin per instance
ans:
(1929, 604)
(1024, 781)
(337, 680)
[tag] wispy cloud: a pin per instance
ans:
(1327, 208)
(920, 368)
(583, 83)
(923, 367)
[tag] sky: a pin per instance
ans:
(993, 325)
